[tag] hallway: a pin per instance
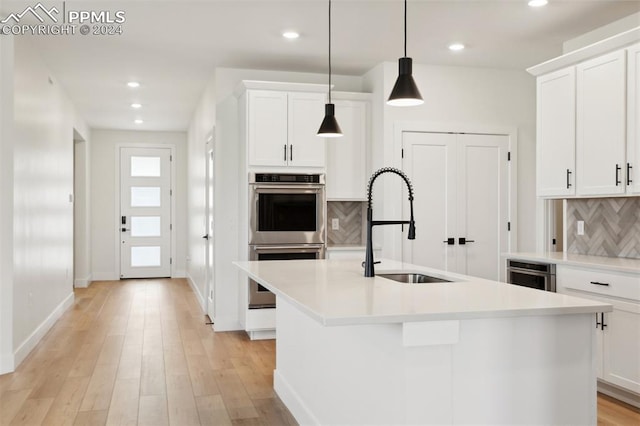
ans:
(138, 352)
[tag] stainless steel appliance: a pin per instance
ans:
(286, 222)
(286, 208)
(260, 297)
(541, 276)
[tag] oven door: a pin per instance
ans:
(260, 297)
(531, 279)
(287, 214)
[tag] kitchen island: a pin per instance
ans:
(356, 350)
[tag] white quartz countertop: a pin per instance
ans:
(620, 264)
(335, 292)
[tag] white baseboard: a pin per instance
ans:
(179, 273)
(27, 346)
(7, 364)
(196, 291)
(619, 394)
(262, 334)
(222, 324)
(82, 282)
(292, 400)
(105, 276)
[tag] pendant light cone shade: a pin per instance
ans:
(329, 127)
(405, 92)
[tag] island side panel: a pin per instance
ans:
(498, 369)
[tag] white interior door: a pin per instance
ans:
(145, 212)
(209, 246)
(461, 192)
(483, 204)
(430, 163)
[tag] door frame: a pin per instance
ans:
(394, 209)
(209, 215)
(116, 215)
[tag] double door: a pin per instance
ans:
(461, 201)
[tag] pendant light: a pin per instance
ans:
(405, 92)
(329, 127)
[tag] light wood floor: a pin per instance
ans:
(138, 352)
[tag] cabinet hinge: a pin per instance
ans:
(171, 158)
(170, 261)
(509, 156)
(508, 226)
(553, 241)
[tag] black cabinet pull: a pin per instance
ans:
(599, 283)
(462, 241)
(629, 167)
(618, 168)
(602, 324)
(285, 152)
(450, 241)
(597, 322)
(568, 178)
(290, 152)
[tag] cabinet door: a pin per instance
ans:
(601, 125)
(430, 162)
(482, 190)
(267, 128)
(306, 111)
(622, 345)
(347, 156)
(556, 138)
(632, 169)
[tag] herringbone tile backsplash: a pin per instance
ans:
(611, 227)
(349, 213)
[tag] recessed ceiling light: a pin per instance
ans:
(136, 105)
(456, 46)
(538, 3)
(133, 84)
(291, 35)
(138, 121)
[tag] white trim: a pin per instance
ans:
(82, 282)
(172, 164)
(105, 276)
(7, 363)
(30, 342)
(400, 127)
(294, 403)
(196, 291)
(231, 324)
(610, 44)
(245, 85)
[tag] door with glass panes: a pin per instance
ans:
(145, 212)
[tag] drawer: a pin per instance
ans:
(607, 283)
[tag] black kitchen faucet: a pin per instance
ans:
(368, 260)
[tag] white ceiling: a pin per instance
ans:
(173, 47)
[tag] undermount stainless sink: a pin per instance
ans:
(413, 278)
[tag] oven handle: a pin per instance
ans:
(306, 247)
(529, 272)
(278, 187)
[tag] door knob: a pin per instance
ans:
(206, 237)
(124, 229)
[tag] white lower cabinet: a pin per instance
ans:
(618, 337)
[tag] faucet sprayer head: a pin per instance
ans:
(412, 231)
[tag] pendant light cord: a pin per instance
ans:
(329, 51)
(405, 28)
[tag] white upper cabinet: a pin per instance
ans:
(306, 111)
(556, 139)
(282, 128)
(347, 156)
(600, 125)
(632, 168)
(267, 128)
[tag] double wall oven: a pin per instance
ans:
(286, 222)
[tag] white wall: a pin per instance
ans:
(601, 33)
(6, 204)
(43, 213)
(457, 95)
(104, 229)
(81, 213)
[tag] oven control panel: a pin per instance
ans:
(287, 178)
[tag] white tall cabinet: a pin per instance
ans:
(633, 120)
(600, 130)
(461, 201)
(556, 121)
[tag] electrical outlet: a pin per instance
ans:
(335, 224)
(580, 225)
